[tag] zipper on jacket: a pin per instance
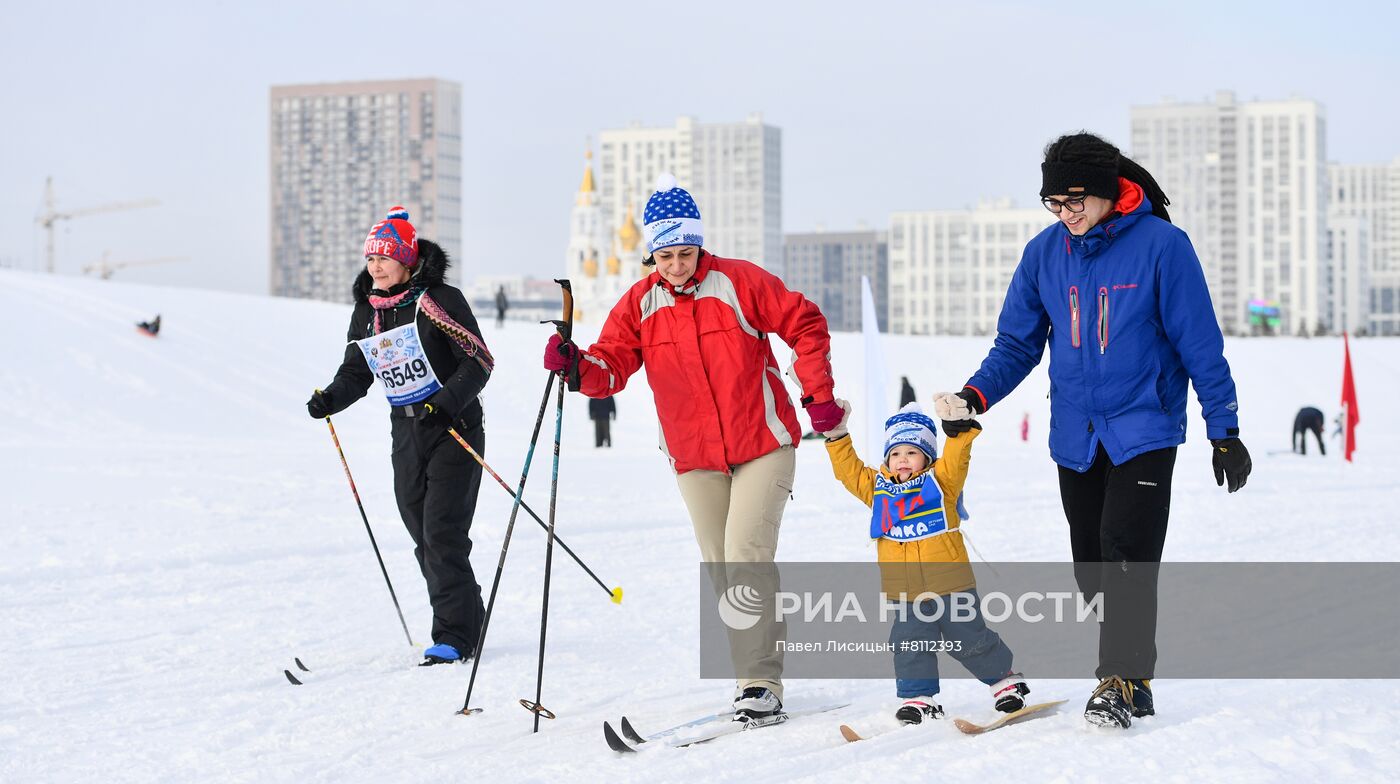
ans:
(1103, 319)
(1074, 316)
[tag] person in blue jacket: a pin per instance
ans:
(1118, 294)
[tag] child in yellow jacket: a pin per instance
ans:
(914, 500)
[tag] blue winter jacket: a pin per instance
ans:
(1129, 319)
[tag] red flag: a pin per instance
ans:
(1353, 414)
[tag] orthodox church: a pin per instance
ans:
(599, 285)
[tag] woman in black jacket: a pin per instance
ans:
(417, 335)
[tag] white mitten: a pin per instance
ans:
(947, 405)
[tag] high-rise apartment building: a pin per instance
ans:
(1247, 182)
(827, 267)
(340, 156)
(950, 269)
(734, 171)
(1364, 200)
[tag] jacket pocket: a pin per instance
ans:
(1103, 319)
(1074, 316)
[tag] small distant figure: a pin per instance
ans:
(1309, 420)
(1026, 426)
(906, 392)
(151, 327)
(1341, 416)
(602, 410)
(502, 304)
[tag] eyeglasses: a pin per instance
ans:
(1074, 203)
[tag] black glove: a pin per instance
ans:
(1231, 461)
(974, 400)
(956, 427)
(435, 413)
(319, 406)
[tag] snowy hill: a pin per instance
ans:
(176, 530)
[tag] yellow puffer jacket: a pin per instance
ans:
(938, 564)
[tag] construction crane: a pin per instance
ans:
(105, 268)
(52, 216)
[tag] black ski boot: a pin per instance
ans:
(1142, 698)
(1111, 704)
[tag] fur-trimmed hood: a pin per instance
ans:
(433, 264)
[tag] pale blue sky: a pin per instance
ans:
(883, 105)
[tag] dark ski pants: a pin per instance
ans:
(435, 484)
(1300, 438)
(602, 432)
(1117, 526)
(916, 642)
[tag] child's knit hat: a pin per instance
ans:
(912, 426)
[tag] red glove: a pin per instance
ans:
(560, 355)
(825, 416)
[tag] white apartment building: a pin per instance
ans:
(340, 156)
(734, 171)
(1247, 182)
(1369, 195)
(949, 269)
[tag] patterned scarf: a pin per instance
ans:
(463, 337)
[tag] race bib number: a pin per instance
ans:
(397, 359)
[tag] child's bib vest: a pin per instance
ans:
(907, 511)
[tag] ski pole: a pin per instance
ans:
(467, 710)
(369, 531)
(615, 593)
(566, 329)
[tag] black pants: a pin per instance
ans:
(435, 484)
(1117, 525)
(602, 432)
(1300, 438)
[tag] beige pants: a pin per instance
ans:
(736, 519)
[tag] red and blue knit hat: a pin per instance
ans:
(394, 237)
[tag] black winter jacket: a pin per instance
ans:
(462, 377)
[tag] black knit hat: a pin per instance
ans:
(1075, 178)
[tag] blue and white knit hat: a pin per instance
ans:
(671, 217)
(912, 426)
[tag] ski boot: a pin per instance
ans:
(916, 709)
(756, 702)
(1142, 698)
(1010, 693)
(442, 653)
(1111, 704)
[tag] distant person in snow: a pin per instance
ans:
(1308, 420)
(501, 305)
(700, 325)
(915, 518)
(1118, 293)
(906, 392)
(417, 335)
(602, 411)
(151, 327)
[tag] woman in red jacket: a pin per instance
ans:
(700, 324)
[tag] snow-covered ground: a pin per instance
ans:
(176, 530)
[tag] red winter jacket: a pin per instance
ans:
(719, 393)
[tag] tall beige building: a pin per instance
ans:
(734, 171)
(340, 156)
(1248, 183)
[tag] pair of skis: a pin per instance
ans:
(701, 730)
(713, 727)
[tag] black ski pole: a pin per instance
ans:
(566, 329)
(467, 710)
(614, 593)
(372, 543)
